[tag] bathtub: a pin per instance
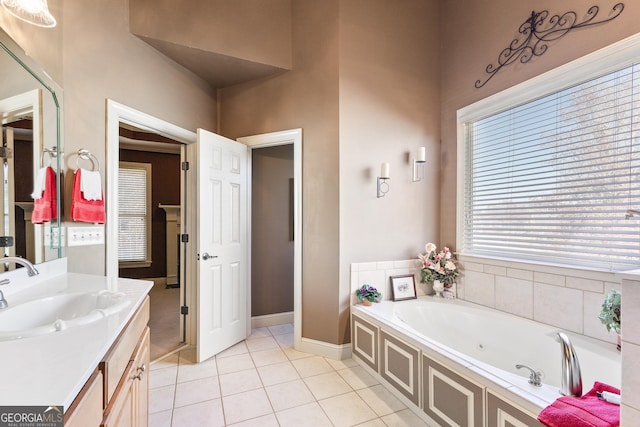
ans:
(483, 345)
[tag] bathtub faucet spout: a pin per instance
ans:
(571, 375)
(535, 377)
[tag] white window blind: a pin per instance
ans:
(134, 216)
(551, 180)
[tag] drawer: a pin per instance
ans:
(118, 357)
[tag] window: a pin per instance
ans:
(134, 214)
(551, 178)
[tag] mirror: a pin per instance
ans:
(30, 158)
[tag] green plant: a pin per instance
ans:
(438, 265)
(610, 314)
(368, 292)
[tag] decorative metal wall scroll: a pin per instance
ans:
(537, 32)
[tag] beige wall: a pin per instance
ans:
(364, 88)
(252, 30)
(389, 107)
(306, 97)
(481, 31)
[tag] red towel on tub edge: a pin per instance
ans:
(585, 411)
(85, 210)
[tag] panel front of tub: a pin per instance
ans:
(501, 413)
(365, 341)
(449, 398)
(399, 365)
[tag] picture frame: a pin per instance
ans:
(403, 287)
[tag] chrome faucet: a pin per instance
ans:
(535, 376)
(571, 375)
(31, 269)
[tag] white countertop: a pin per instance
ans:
(51, 369)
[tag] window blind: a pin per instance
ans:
(133, 213)
(552, 179)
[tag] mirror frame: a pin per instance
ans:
(51, 237)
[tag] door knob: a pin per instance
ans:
(206, 256)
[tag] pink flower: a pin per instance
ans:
(445, 250)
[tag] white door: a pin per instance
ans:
(221, 166)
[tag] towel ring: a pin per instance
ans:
(52, 152)
(85, 154)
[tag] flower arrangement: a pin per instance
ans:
(369, 293)
(438, 265)
(610, 314)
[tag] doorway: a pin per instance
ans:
(154, 161)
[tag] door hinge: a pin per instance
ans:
(184, 310)
(184, 166)
(6, 153)
(184, 238)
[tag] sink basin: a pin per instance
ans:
(58, 312)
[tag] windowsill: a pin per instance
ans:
(134, 264)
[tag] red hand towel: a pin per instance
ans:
(85, 210)
(586, 411)
(45, 208)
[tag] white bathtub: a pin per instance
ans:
(491, 343)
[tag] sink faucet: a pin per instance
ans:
(31, 269)
(571, 375)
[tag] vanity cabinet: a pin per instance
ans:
(117, 394)
(501, 413)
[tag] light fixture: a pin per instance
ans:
(383, 185)
(34, 12)
(418, 165)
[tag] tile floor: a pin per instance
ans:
(263, 381)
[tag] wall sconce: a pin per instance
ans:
(34, 12)
(383, 185)
(418, 165)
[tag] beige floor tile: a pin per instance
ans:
(259, 333)
(288, 395)
(207, 413)
(309, 366)
(295, 354)
(310, 415)
(245, 406)
(167, 362)
(404, 418)
(234, 350)
(196, 391)
(268, 357)
(357, 377)
(240, 362)
(163, 377)
(238, 382)
(263, 421)
(341, 364)
(381, 400)
(264, 343)
(278, 373)
(347, 410)
(161, 398)
(285, 341)
(281, 329)
(373, 423)
(193, 371)
(327, 385)
(161, 419)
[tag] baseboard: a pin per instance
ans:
(272, 319)
(321, 348)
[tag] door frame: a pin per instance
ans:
(286, 137)
(118, 113)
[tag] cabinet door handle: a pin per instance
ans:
(142, 368)
(139, 376)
